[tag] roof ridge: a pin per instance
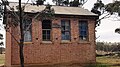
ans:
(44, 4)
(58, 9)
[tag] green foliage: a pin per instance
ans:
(108, 47)
(58, 2)
(1, 38)
(66, 2)
(2, 7)
(110, 7)
(113, 7)
(40, 2)
(98, 7)
(1, 10)
(75, 3)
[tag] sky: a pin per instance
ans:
(105, 32)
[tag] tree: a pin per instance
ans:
(1, 43)
(58, 2)
(19, 17)
(74, 3)
(1, 38)
(108, 9)
(66, 2)
(40, 2)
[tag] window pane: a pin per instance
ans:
(63, 35)
(83, 30)
(44, 32)
(27, 36)
(67, 23)
(62, 23)
(46, 24)
(83, 33)
(65, 29)
(46, 27)
(44, 37)
(67, 37)
(27, 30)
(48, 37)
(48, 32)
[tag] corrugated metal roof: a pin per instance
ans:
(58, 9)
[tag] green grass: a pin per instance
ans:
(2, 59)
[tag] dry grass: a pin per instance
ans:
(112, 61)
(2, 59)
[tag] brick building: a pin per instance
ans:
(68, 38)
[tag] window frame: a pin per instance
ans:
(65, 21)
(50, 38)
(26, 29)
(86, 30)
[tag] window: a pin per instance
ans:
(65, 29)
(46, 30)
(27, 30)
(83, 30)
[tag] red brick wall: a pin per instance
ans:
(8, 49)
(38, 52)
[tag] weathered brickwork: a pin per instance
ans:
(56, 51)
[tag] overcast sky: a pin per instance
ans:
(105, 32)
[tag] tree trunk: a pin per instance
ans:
(21, 44)
(21, 53)
(0, 50)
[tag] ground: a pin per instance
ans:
(2, 58)
(106, 61)
(109, 60)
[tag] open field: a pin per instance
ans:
(108, 61)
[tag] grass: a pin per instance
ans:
(101, 62)
(2, 59)
(112, 61)
(98, 65)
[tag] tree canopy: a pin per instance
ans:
(73, 3)
(1, 38)
(110, 8)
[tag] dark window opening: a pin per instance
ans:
(46, 30)
(83, 30)
(65, 29)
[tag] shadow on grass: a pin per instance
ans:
(116, 65)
